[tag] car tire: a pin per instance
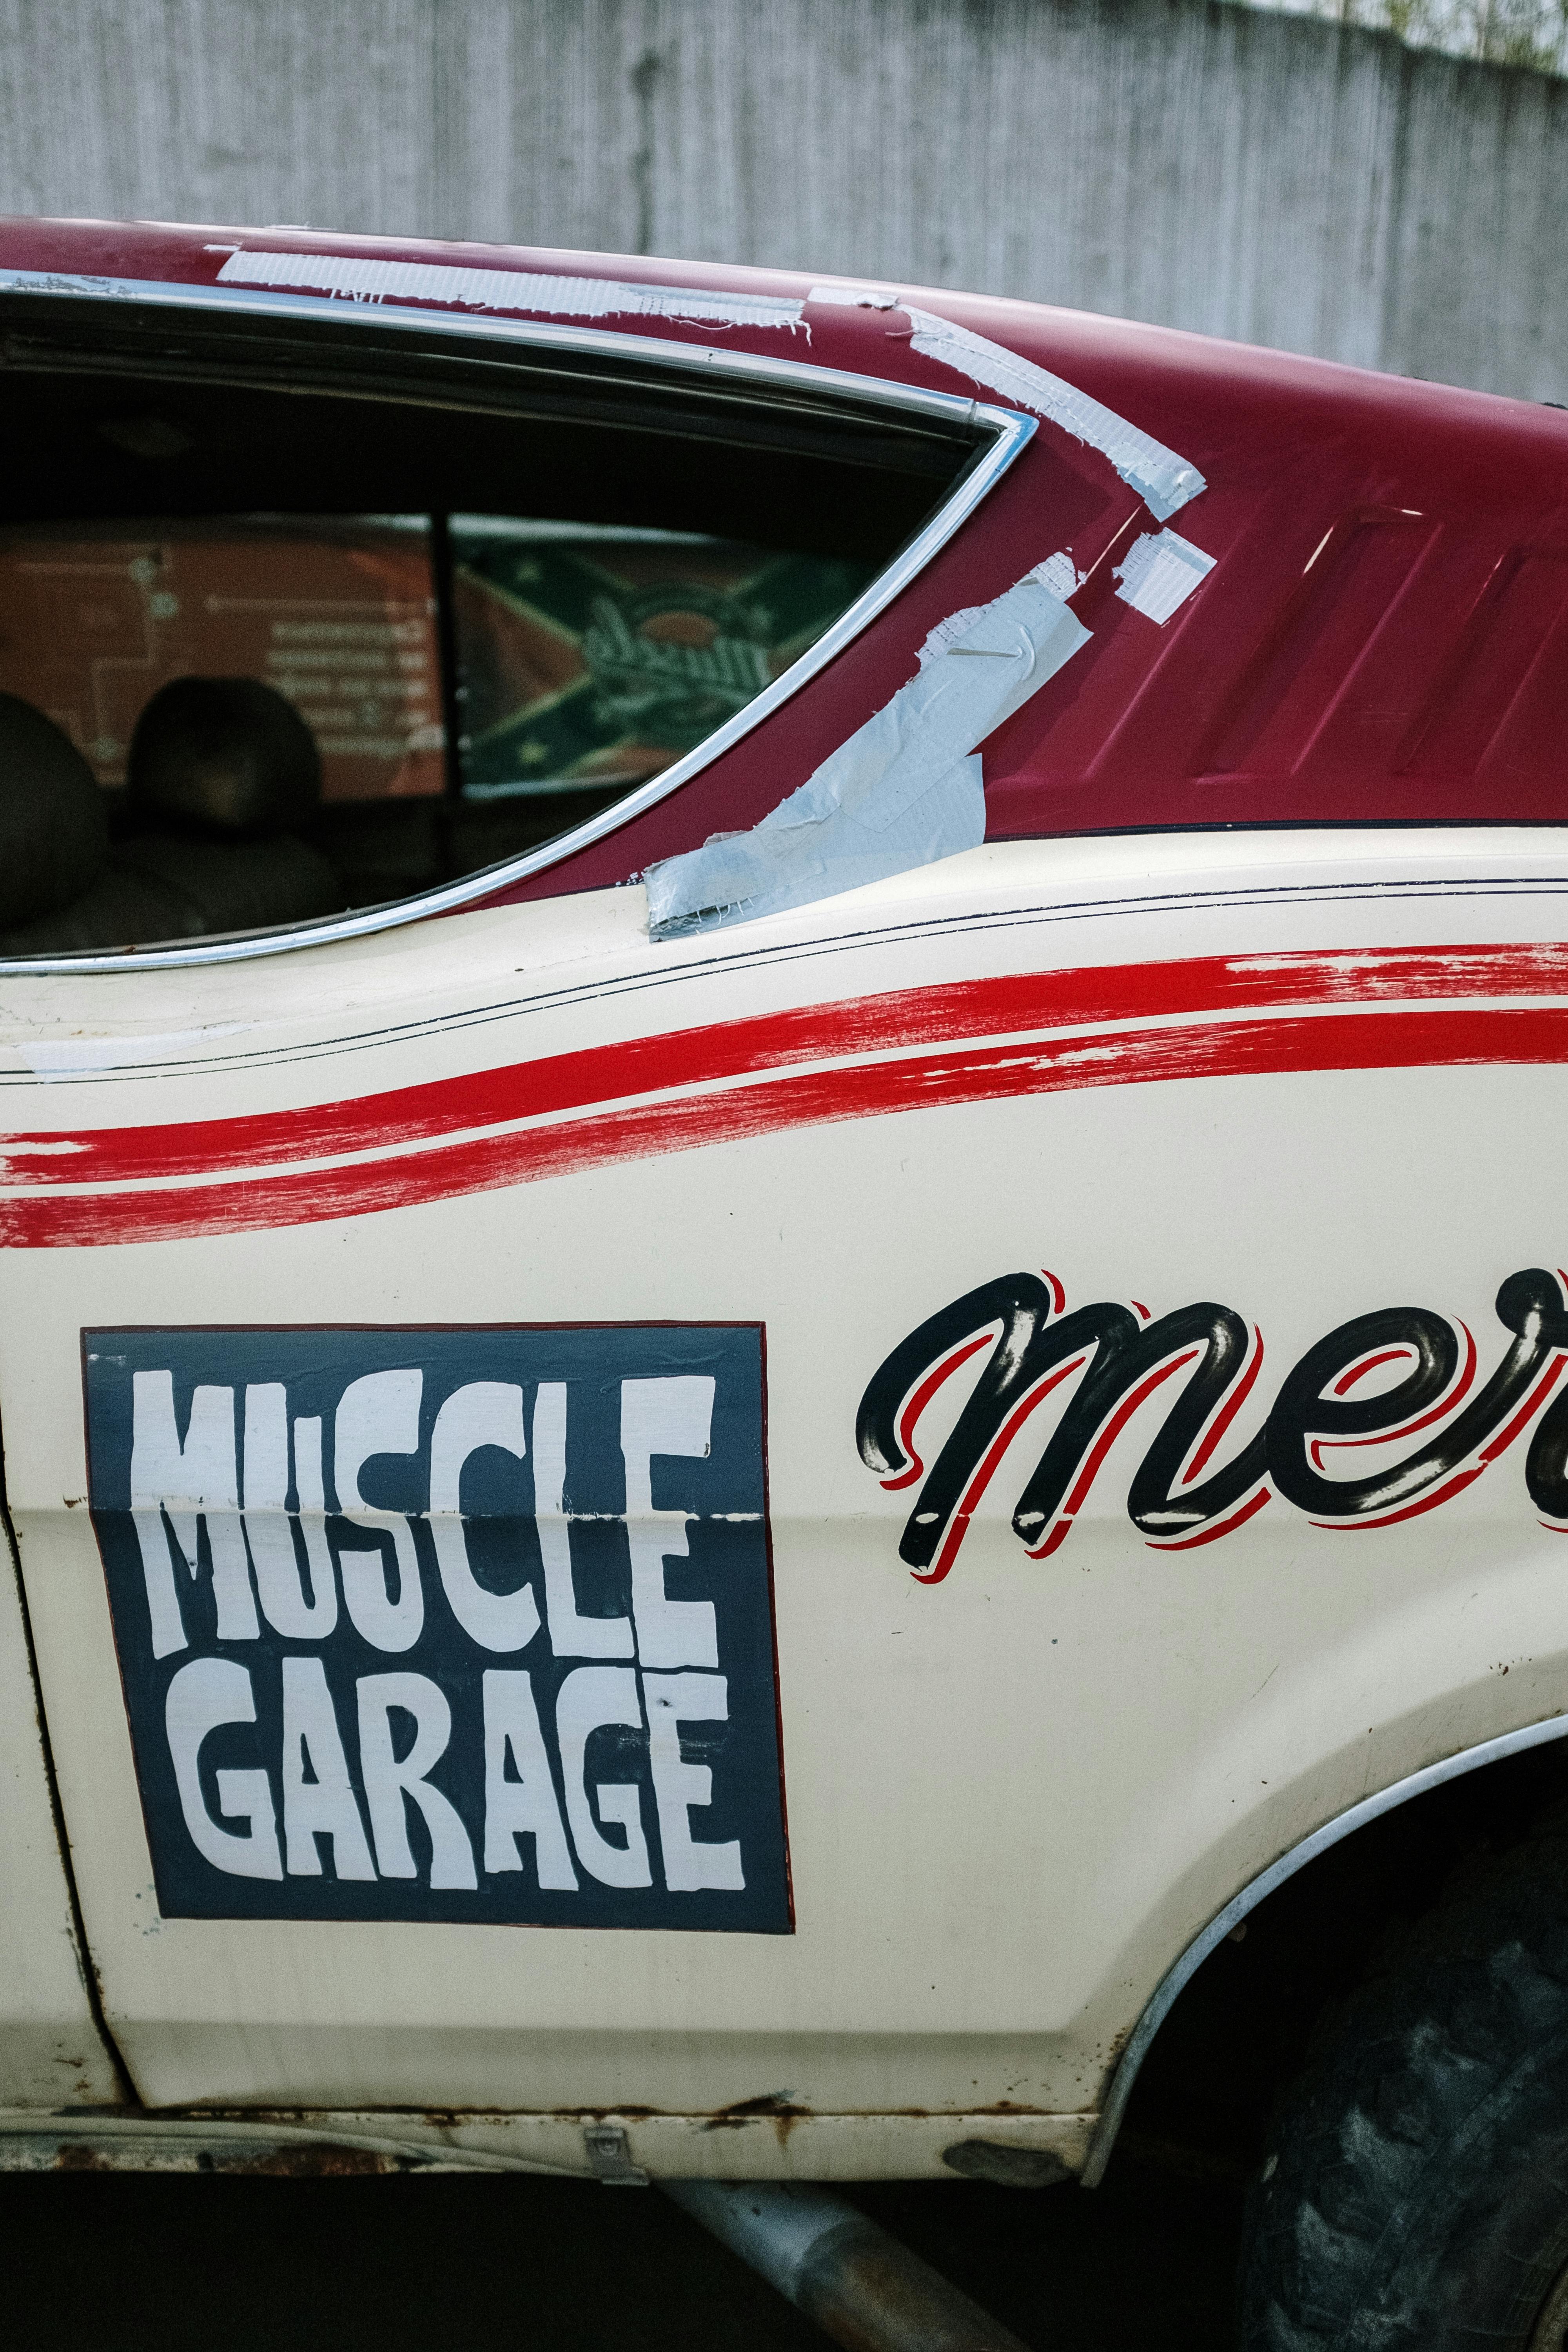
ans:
(1414, 2195)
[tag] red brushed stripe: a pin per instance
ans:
(1399, 1039)
(899, 1019)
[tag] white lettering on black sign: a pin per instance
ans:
(467, 1624)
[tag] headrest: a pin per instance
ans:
(54, 821)
(227, 755)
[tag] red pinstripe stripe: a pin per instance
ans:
(1399, 1038)
(729, 1049)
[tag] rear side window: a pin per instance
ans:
(274, 651)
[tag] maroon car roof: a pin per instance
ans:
(1384, 637)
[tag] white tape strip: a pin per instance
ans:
(1160, 573)
(1163, 481)
(365, 280)
(1060, 575)
(1058, 572)
(904, 790)
(854, 297)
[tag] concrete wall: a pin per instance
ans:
(1271, 177)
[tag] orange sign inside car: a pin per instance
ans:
(342, 622)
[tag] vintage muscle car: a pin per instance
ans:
(763, 1043)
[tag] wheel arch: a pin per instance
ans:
(1464, 1765)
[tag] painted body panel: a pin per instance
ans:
(52, 2052)
(989, 1876)
(1303, 1076)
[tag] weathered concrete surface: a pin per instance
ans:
(1276, 178)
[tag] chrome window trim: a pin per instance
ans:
(1162, 1999)
(1011, 429)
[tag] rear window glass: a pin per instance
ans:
(303, 617)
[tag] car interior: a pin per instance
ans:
(298, 617)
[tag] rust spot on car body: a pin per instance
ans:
(772, 2106)
(327, 2160)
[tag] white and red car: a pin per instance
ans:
(765, 1044)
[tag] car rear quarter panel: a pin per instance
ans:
(1013, 1796)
